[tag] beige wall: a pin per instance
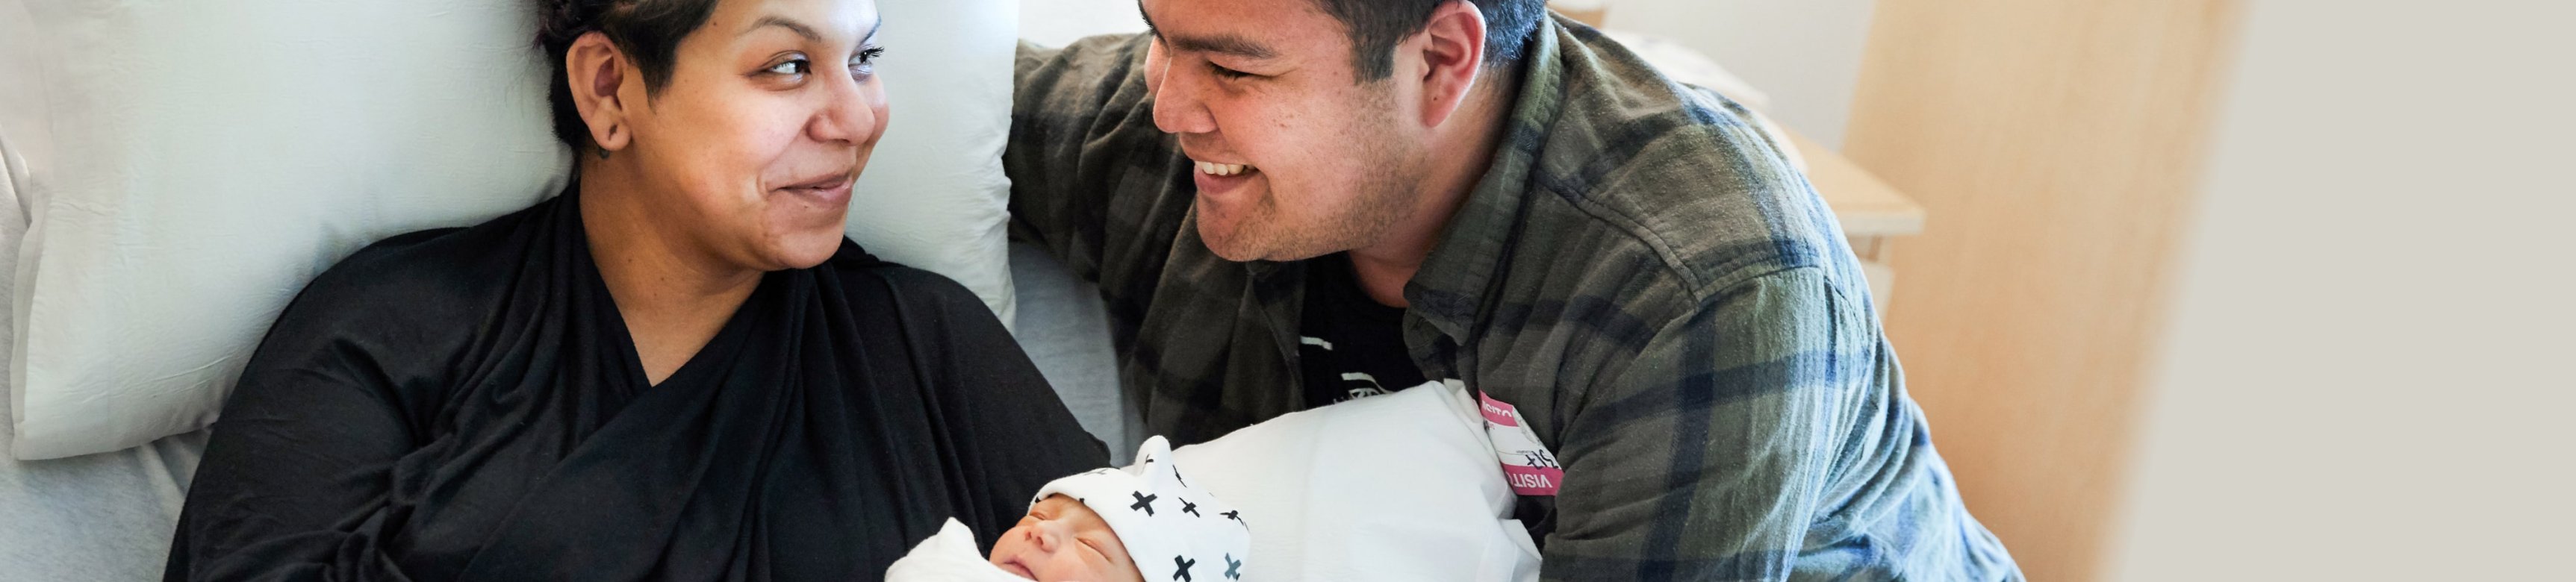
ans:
(2055, 147)
(1805, 54)
(2367, 376)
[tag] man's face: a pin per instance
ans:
(1296, 157)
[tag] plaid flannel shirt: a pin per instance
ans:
(1639, 272)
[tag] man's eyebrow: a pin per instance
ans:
(1221, 43)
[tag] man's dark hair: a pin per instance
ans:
(648, 31)
(1376, 25)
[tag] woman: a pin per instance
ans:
(678, 369)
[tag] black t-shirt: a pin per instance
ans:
(1349, 346)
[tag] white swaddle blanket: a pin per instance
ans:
(948, 556)
(1397, 487)
(1403, 486)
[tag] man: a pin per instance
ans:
(1290, 203)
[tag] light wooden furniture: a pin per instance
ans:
(2059, 145)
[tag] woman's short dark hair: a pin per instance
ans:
(647, 31)
(1375, 26)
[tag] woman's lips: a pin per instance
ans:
(830, 190)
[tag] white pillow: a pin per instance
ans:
(933, 195)
(209, 158)
(1060, 22)
(14, 182)
(1403, 486)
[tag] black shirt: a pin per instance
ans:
(1349, 346)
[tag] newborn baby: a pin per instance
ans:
(1106, 524)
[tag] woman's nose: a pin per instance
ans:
(849, 114)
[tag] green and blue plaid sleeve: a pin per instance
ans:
(1707, 456)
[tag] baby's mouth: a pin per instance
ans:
(1013, 566)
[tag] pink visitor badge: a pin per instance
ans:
(1527, 465)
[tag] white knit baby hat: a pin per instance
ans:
(1172, 531)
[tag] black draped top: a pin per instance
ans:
(465, 404)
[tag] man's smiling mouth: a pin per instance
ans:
(1217, 169)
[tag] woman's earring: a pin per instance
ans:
(603, 153)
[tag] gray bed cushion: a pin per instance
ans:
(102, 517)
(1066, 331)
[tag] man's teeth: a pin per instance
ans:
(1216, 169)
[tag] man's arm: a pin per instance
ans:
(1707, 457)
(1084, 157)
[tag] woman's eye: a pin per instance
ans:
(1221, 71)
(866, 62)
(791, 67)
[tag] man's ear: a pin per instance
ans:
(1452, 52)
(597, 71)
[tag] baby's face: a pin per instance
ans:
(1060, 540)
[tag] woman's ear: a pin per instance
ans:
(597, 71)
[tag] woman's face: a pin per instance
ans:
(771, 111)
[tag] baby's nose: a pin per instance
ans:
(1048, 535)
